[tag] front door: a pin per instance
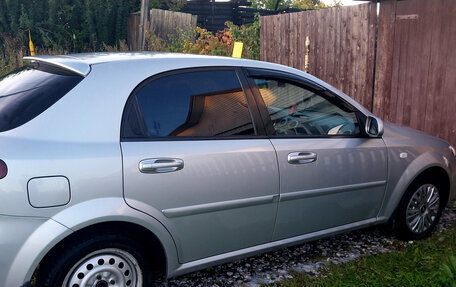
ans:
(193, 159)
(331, 173)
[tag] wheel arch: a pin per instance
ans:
(139, 234)
(426, 164)
(85, 218)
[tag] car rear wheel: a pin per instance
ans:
(420, 209)
(102, 261)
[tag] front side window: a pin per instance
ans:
(191, 104)
(299, 111)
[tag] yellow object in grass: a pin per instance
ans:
(32, 48)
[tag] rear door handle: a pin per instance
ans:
(301, 157)
(160, 165)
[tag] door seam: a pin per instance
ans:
(279, 193)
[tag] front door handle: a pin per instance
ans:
(301, 157)
(160, 165)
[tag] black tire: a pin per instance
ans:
(403, 223)
(116, 253)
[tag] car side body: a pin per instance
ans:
(71, 171)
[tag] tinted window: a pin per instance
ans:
(298, 111)
(206, 103)
(27, 92)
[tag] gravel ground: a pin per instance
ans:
(309, 257)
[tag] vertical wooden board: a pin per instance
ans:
(368, 47)
(362, 58)
(353, 51)
(384, 58)
(271, 39)
(330, 47)
(278, 36)
(449, 86)
(359, 53)
(406, 52)
(131, 35)
(337, 47)
(284, 35)
(343, 51)
(315, 47)
(353, 27)
(306, 31)
(434, 91)
(399, 58)
(348, 52)
(276, 44)
(407, 82)
(271, 42)
(370, 64)
(300, 41)
(263, 39)
(317, 29)
(446, 117)
(322, 47)
(293, 40)
(421, 42)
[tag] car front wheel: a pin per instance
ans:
(420, 209)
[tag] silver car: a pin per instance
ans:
(116, 168)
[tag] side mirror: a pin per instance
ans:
(374, 127)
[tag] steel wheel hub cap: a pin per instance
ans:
(105, 268)
(423, 208)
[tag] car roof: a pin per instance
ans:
(80, 63)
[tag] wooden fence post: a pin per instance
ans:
(142, 25)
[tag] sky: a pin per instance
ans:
(344, 2)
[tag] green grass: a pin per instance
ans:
(417, 264)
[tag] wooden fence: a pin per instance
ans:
(162, 23)
(413, 82)
(342, 43)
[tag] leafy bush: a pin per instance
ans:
(249, 35)
(448, 278)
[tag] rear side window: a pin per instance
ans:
(189, 104)
(29, 91)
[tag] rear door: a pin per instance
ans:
(195, 159)
(331, 173)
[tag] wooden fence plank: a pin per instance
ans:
(384, 59)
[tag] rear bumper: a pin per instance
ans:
(23, 242)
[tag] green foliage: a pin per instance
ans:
(301, 4)
(249, 35)
(448, 278)
(11, 54)
(314, 4)
(201, 41)
(173, 5)
(66, 25)
(270, 4)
